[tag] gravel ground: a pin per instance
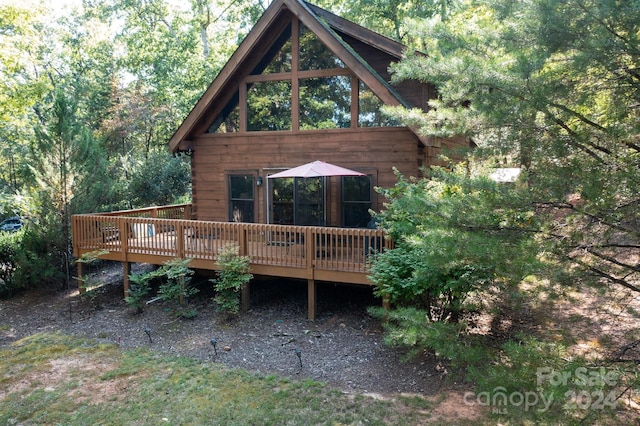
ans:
(342, 347)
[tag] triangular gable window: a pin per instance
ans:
(318, 93)
(314, 55)
(369, 113)
(229, 120)
(278, 58)
(325, 101)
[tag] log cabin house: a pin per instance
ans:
(304, 85)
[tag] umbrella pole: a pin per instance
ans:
(324, 200)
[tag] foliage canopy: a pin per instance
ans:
(455, 236)
(551, 86)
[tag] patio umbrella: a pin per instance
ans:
(315, 169)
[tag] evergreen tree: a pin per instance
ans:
(62, 155)
(552, 86)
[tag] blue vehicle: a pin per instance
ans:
(11, 224)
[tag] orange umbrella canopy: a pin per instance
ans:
(315, 169)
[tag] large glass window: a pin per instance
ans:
(278, 58)
(325, 102)
(314, 55)
(269, 105)
(229, 120)
(356, 201)
(323, 96)
(297, 201)
(241, 198)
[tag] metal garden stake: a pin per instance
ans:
(298, 353)
(147, 330)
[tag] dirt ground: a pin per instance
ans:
(343, 347)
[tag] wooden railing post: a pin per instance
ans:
(309, 253)
(123, 234)
(244, 251)
(312, 293)
(243, 240)
(179, 240)
(126, 271)
(74, 234)
(245, 297)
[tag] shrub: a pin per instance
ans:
(40, 258)
(406, 278)
(89, 280)
(233, 274)
(177, 285)
(454, 235)
(139, 287)
(171, 178)
(411, 328)
(9, 246)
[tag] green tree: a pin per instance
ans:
(164, 62)
(158, 179)
(456, 236)
(553, 86)
(389, 17)
(62, 154)
(21, 87)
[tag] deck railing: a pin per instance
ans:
(158, 234)
(176, 211)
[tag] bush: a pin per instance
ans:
(406, 278)
(233, 274)
(139, 288)
(171, 177)
(9, 246)
(29, 258)
(175, 286)
(454, 235)
(39, 258)
(411, 328)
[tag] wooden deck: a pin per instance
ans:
(156, 235)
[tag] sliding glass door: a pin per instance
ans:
(297, 201)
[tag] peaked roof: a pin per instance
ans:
(268, 28)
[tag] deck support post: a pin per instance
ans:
(126, 271)
(311, 298)
(245, 297)
(80, 278)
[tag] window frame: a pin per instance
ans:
(346, 203)
(249, 201)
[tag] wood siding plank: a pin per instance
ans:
(376, 150)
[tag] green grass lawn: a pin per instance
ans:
(55, 379)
